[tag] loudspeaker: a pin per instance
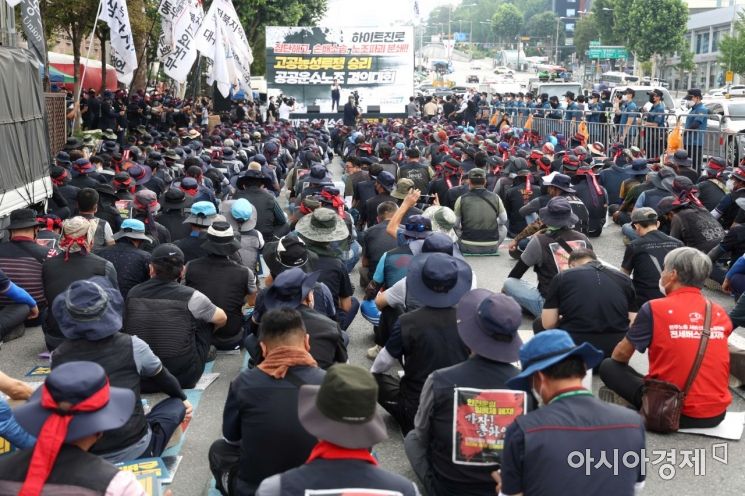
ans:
(314, 109)
(220, 104)
(373, 109)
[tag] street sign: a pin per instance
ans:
(607, 52)
(525, 38)
(729, 77)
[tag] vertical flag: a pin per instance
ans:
(221, 39)
(177, 49)
(32, 27)
(123, 55)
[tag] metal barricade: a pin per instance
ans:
(651, 139)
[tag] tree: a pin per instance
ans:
(585, 32)
(685, 63)
(603, 12)
(507, 22)
(732, 48)
(653, 33)
(258, 14)
(542, 25)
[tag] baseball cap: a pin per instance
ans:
(167, 253)
(643, 214)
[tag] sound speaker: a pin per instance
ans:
(373, 109)
(314, 109)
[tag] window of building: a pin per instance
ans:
(570, 27)
(715, 37)
(570, 12)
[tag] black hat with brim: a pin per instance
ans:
(22, 218)
(438, 279)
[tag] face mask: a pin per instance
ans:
(661, 288)
(651, 100)
(554, 104)
(689, 103)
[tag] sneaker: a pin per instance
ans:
(372, 353)
(212, 354)
(609, 396)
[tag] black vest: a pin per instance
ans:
(551, 435)
(430, 342)
(192, 246)
(419, 173)
(479, 373)
(263, 202)
(479, 211)
(173, 335)
(115, 355)
(173, 221)
(74, 472)
(377, 242)
(272, 404)
(58, 274)
(596, 204)
(342, 474)
(548, 269)
(225, 283)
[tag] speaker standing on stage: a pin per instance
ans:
(335, 95)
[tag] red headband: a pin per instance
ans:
(53, 434)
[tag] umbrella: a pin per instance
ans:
(57, 76)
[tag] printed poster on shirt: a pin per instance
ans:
(124, 207)
(480, 420)
(560, 255)
(350, 492)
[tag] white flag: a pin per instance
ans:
(221, 38)
(123, 55)
(177, 50)
(13, 3)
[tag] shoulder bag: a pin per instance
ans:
(662, 401)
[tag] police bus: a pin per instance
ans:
(612, 79)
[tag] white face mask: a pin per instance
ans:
(689, 103)
(661, 288)
(730, 184)
(537, 395)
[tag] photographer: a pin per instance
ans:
(286, 106)
(351, 111)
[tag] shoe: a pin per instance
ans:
(372, 353)
(212, 354)
(607, 395)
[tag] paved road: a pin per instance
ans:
(193, 478)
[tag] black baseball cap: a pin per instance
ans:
(167, 253)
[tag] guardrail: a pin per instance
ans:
(716, 140)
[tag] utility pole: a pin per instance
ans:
(556, 42)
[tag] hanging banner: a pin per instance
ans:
(480, 420)
(180, 21)
(123, 55)
(378, 63)
(32, 27)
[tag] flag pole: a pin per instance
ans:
(87, 58)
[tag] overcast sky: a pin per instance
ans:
(377, 12)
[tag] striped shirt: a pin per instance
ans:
(21, 260)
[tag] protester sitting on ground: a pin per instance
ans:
(201, 216)
(227, 284)
(10, 430)
(425, 339)
(266, 397)
(376, 242)
(75, 263)
(487, 325)
(182, 333)
(87, 208)
(593, 302)
(318, 230)
(540, 447)
(342, 414)
(482, 219)
(69, 414)
(131, 263)
(645, 255)
(173, 202)
(671, 328)
(90, 316)
(547, 252)
(242, 217)
(21, 307)
(293, 288)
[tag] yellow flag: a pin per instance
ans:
(529, 122)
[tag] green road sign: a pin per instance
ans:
(595, 43)
(607, 52)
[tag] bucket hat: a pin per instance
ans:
(639, 167)
(323, 226)
(343, 409)
(558, 213)
(558, 180)
(89, 309)
(438, 279)
(488, 323)
(443, 220)
(174, 199)
(418, 227)
(22, 218)
(132, 229)
(221, 239)
(663, 178)
(202, 213)
(386, 181)
(240, 213)
(403, 186)
(290, 288)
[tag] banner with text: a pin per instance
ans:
(378, 63)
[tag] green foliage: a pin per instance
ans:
(605, 21)
(585, 31)
(542, 25)
(686, 60)
(258, 14)
(732, 48)
(658, 27)
(507, 22)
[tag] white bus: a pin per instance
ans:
(616, 78)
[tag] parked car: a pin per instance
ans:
(734, 90)
(472, 79)
(503, 70)
(728, 116)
